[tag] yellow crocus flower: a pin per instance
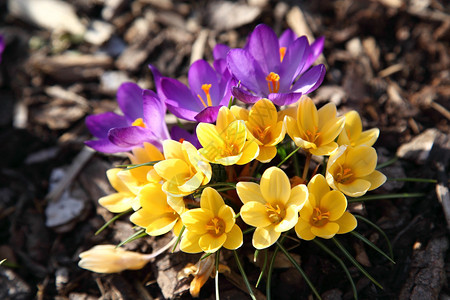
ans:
(271, 206)
(324, 214)
(353, 135)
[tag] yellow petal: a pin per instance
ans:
(346, 223)
(211, 200)
(170, 168)
(353, 125)
(376, 179)
(362, 160)
(249, 152)
(116, 182)
(299, 195)
(228, 160)
(327, 231)
(249, 191)
(343, 139)
(142, 219)
(266, 153)
(292, 127)
(275, 186)
(356, 188)
(368, 137)
(177, 204)
(308, 209)
(189, 242)
(234, 238)
(303, 230)
(307, 115)
(335, 203)
(177, 228)
(152, 152)
(265, 237)
(192, 183)
(318, 187)
(331, 129)
(289, 111)
(239, 112)
(227, 215)
(172, 149)
(262, 114)
(161, 225)
(278, 133)
(117, 202)
(152, 198)
(289, 220)
(210, 244)
(327, 149)
(255, 214)
(196, 219)
(224, 118)
(210, 139)
(326, 113)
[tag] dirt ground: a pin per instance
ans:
(387, 59)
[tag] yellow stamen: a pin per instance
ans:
(215, 226)
(312, 136)
(344, 175)
(205, 88)
(282, 53)
(276, 214)
(262, 134)
(139, 122)
(273, 82)
(319, 218)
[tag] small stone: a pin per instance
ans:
(12, 286)
(99, 32)
(418, 149)
(111, 80)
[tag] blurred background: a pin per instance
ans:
(64, 60)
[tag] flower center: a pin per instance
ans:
(276, 214)
(205, 88)
(312, 136)
(282, 53)
(344, 175)
(215, 226)
(139, 122)
(262, 134)
(230, 150)
(319, 218)
(273, 82)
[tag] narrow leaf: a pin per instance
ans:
(287, 157)
(135, 236)
(388, 163)
(372, 245)
(111, 221)
(244, 276)
(134, 166)
(216, 278)
(411, 179)
(179, 238)
(391, 253)
(385, 196)
(263, 268)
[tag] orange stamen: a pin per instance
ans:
(282, 53)
(181, 140)
(139, 122)
(273, 82)
(205, 88)
(319, 218)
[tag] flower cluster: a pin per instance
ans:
(209, 186)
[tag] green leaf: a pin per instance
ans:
(137, 235)
(263, 268)
(388, 163)
(179, 238)
(410, 179)
(206, 255)
(299, 269)
(341, 262)
(372, 245)
(216, 278)
(134, 166)
(287, 157)
(112, 220)
(244, 276)
(385, 196)
(391, 253)
(231, 102)
(281, 152)
(355, 262)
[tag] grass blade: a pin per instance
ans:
(411, 179)
(341, 262)
(391, 253)
(216, 278)
(287, 157)
(263, 268)
(244, 276)
(135, 236)
(355, 262)
(133, 166)
(299, 269)
(372, 245)
(270, 270)
(179, 238)
(111, 221)
(388, 163)
(386, 196)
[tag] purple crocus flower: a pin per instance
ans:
(143, 121)
(208, 91)
(2, 46)
(277, 69)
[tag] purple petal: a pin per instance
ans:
(131, 136)
(181, 112)
(154, 114)
(220, 65)
(180, 94)
(220, 51)
(157, 78)
(100, 124)
(263, 46)
(105, 146)
(244, 96)
(310, 80)
(287, 38)
(201, 73)
(316, 49)
(284, 99)
(178, 134)
(129, 98)
(294, 60)
(208, 115)
(245, 69)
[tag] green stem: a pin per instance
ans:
(179, 238)
(216, 278)
(413, 180)
(305, 170)
(244, 276)
(287, 157)
(387, 196)
(112, 220)
(263, 268)
(388, 163)
(391, 253)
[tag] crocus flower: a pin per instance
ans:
(110, 259)
(271, 206)
(120, 201)
(207, 92)
(315, 130)
(351, 170)
(143, 121)
(160, 213)
(184, 169)
(226, 142)
(324, 214)
(353, 135)
(263, 127)
(211, 226)
(275, 69)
